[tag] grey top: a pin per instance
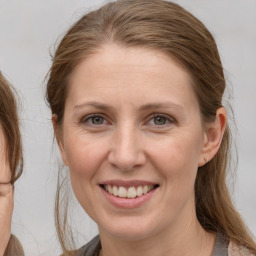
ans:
(221, 246)
(91, 249)
(94, 246)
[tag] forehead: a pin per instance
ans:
(139, 74)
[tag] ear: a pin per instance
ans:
(213, 135)
(59, 139)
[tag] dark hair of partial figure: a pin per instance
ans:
(166, 27)
(9, 121)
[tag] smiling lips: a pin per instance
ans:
(128, 194)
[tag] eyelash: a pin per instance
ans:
(168, 120)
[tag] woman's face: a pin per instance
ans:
(6, 195)
(5, 172)
(132, 137)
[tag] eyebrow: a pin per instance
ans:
(94, 104)
(160, 105)
(145, 107)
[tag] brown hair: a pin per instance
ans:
(10, 124)
(167, 27)
(9, 121)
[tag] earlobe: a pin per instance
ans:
(213, 135)
(59, 139)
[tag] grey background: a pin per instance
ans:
(28, 32)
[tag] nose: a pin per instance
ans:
(127, 149)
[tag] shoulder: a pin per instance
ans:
(90, 249)
(14, 247)
(236, 250)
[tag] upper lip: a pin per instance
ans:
(125, 183)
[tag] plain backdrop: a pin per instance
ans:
(28, 32)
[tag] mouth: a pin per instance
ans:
(129, 192)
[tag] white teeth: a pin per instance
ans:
(110, 190)
(115, 191)
(145, 189)
(139, 191)
(122, 192)
(130, 192)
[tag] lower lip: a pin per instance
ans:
(128, 203)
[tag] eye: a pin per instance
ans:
(94, 120)
(160, 120)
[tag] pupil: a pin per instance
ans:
(160, 120)
(97, 120)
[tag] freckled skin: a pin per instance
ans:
(6, 196)
(129, 145)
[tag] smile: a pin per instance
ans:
(128, 192)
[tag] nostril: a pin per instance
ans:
(126, 159)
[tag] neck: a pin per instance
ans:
(184, 240)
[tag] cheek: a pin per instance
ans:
(177, 159)
(84, 157)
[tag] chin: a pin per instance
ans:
(129, 231)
